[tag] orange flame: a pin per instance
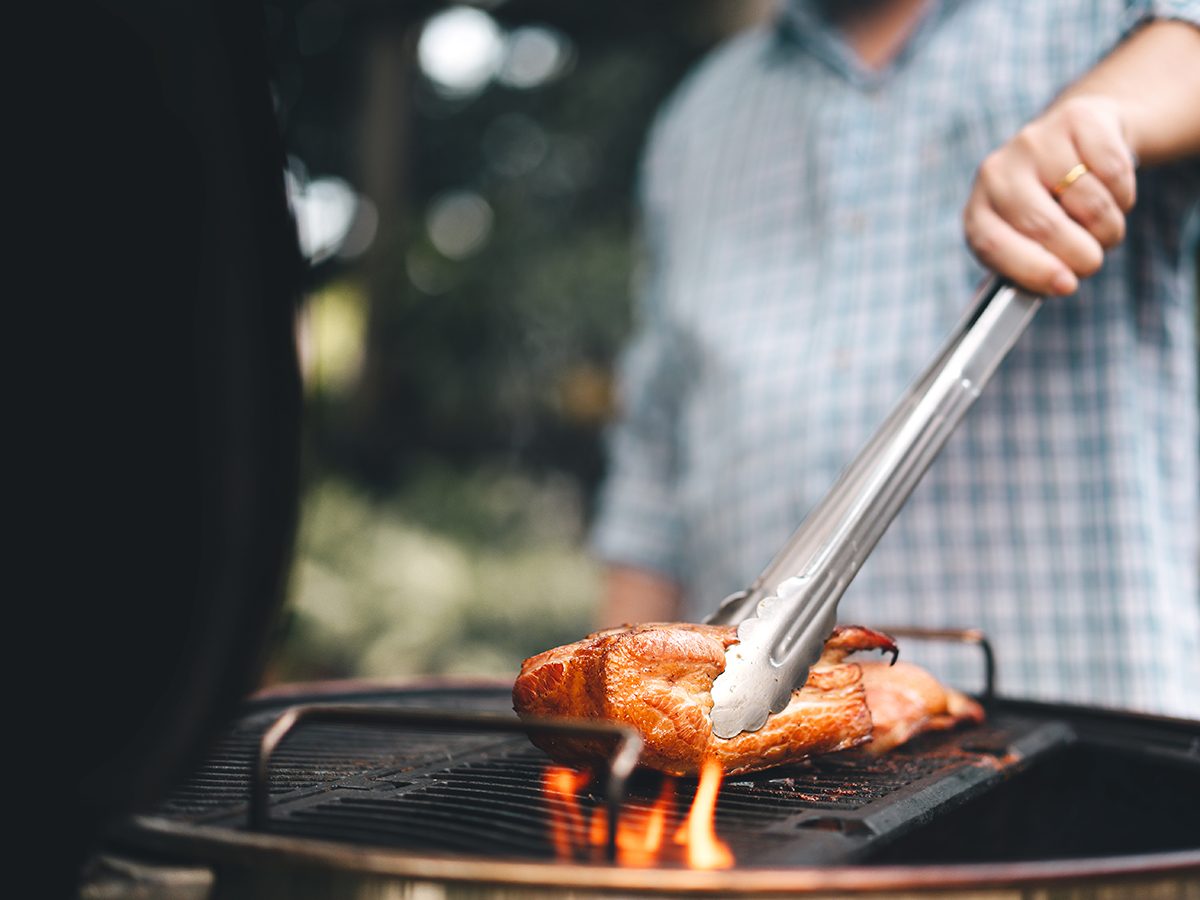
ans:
(566, 819)
(704, 849)
(640, 830)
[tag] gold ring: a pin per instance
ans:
(1077, 172)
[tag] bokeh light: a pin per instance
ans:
(535, 55)
(325, 211)
(459, 223)
(460, 50)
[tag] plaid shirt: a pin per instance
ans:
(805, 259)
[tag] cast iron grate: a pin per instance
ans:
(497, 806)
(319, 755)
(421, 790)
(323, 754)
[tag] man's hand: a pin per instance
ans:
(1025, 222)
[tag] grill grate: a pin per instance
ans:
(428, 791)
(320, 754)
(497, 806)
(848, 781)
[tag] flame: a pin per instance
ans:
(646, 844)
(641, 832)
(704, 849)
(566, 819)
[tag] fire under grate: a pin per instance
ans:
(448, 791)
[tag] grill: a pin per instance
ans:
(436, 790)
(1036, 783)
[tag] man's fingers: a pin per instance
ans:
(1098, 199)
(1001, 247)
(1102, 148)
(1057, 192)
(1089, 203)
(1027, 207)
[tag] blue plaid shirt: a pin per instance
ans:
(805, 259)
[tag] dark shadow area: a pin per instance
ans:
(1085, 801)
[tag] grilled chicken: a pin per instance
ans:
(905, 701)
(658, 678)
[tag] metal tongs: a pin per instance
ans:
(785, 616)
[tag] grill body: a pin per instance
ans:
(1038, 796)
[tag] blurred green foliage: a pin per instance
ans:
(453, 575)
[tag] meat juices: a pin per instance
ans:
(658, 679)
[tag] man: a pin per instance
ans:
(806, 194)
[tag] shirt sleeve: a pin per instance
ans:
(638, 521)
(1184, 10)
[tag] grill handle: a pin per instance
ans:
(620, 765)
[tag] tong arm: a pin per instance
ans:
(790, 609)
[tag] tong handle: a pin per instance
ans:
(844, 527)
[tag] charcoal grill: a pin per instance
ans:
(1040, 795)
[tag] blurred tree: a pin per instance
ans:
(496, 289)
